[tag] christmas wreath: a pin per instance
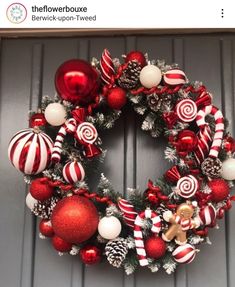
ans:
(159, 227)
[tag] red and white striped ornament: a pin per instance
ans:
(30, 151)
(187, 186)
(207, 215)
(73, 172)
(184, 253)
(138, 234)
(174, 77)
(128, 211)
(68, 127)
(219, 128)
(186, 110)
(186, 224)
(86, 133)
(204, 142)
(107, 67)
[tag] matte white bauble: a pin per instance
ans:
(228, 169)
(109, 227)
(55, 114)
(150, 76)
(30, 201)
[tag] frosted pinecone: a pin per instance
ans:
(157, 102)
(211, 167)
(116, 251)
(130, 76)
(44, 209)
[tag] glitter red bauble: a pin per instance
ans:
(116, 98)
(77, 82)
(37, 120)
(75, 219)
(186, 141)
(90, 254)
(136, 56)
(45, 228)
(60, 244)
(229, 144)
(40, 189)
(155, 247)
(219, 189)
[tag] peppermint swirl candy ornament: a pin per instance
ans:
(186, 110)
(184, 253)
(187, 186)
(174, 77)
(86, 133)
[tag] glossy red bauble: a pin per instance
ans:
(187, 141)
(75, 219)
(60, 244)
(136, 56)
(90, 254)
(37, 120)
(77, 82)
(40, 189)
(229, 144)
(155, 247)
(45, 228)
(219, 189)
(116, 98)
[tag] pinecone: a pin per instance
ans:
(156, 102)
(130, 76)
(44, 209)
(116, 251)
(211, 167)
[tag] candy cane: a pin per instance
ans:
(128, 211)
(68, 127)
(138, 234)
(205, 133)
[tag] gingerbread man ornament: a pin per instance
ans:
(181, 221)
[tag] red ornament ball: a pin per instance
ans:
(75, 219)
(136, 56)
(116, 98)
(219, 189)
(90, 254)
(60, 244)
(229, 144)
(40, 189)
(37, 120)
(45, 228)
(187, 141)
(155, 247)
(77, 82)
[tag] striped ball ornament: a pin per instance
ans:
(184, 253)
(73, 172)
(30, 151)
(174, 77)
(207, 215)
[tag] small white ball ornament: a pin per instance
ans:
(150, 76)
(55, 114)
(228, 169)
(30, 201)
(109, 227)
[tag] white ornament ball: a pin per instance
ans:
(30, 201)
(228, 169)
(150, 76)
(55, 114)
(109, 227)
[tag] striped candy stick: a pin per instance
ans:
(68, 127)
(138, 234)
(107, 67)
(204, 135)
(128, 211)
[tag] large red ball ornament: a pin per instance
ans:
(116, 98)
(45, 228)
(219, 189)
(155, 247)
(75, 219)
(187, 141)
(90, 254)
(136, 56)
(60, 244)
(77, 82)
(40, 189)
